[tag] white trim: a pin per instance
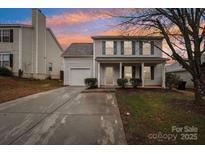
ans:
(36, 41)
(120, 70)
(94, 75)
(20, 49)
(98, 74)
(163, 76)
(142, 73)
(32, 53)
(80, 67)
(45, 51)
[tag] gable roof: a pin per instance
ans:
(15, 26)
(79, 49)
(54, 37)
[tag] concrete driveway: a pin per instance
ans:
(62, 116)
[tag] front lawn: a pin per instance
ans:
(154, 116)
(13, 87)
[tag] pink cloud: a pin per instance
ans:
(76, 18)
(66, 39)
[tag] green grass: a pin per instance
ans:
(154, 111)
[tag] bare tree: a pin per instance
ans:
(184, 32)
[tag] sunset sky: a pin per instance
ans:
(69, 25)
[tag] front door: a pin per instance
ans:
(109, 76)
(128, 72)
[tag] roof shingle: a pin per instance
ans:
(79, 49)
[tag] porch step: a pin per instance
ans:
(98, 90)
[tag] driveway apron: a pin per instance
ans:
(62, 116)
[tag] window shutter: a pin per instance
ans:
(122, 47)
(115, 47)
(103, 47)
(140, 47)
(133, 71)
(133, 47)
(152, 47)
(0, 35)
(152, 72)
(11, 60)
(122, 72)
(11, 35)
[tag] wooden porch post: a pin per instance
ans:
(98, 75)
(142, 73)
(120, 70)
(163, 75)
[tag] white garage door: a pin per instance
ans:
(77, 76)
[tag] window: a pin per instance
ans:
(127, 48)
(4, 60)
(109, 47)
(6, 35)
(146, 48)
(147, 73)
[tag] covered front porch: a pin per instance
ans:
(151, 72)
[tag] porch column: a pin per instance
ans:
(120, 70)
(163, 75)
(142, 73)
(98, 75)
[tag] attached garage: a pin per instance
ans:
(78, 63)
(77, 76)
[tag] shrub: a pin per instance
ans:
(181, 85)
(20, 73)
(135, 82)
(122, 82)
(91, 82)
(172, 80)
(5, 71)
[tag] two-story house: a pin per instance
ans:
(30, 50)
(109, 58)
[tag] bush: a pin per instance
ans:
(172, 80)
(181, 85)
(20, 73)
(91, 82)
(5, 71)
(135, 82)
(122, 82)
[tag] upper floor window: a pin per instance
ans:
(6, 35)
(146, 48)
(109, 47)
(127, 47)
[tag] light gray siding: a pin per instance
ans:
(76, 63)
(12, 48)
(53, 55)
(33, 47)
(27, 50)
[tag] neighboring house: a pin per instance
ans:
(111, 57)
(30, 49)
(177, 69)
